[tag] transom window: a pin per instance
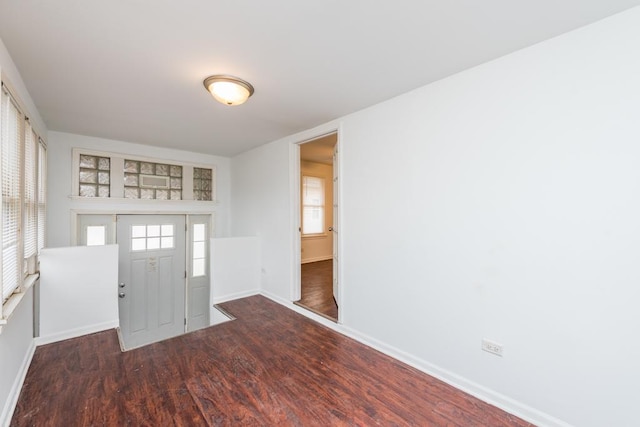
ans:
(152, 237)
(202, 184)
(110, 175)
(94, 176)
(146, 180)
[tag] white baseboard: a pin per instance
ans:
(78, 332)
(237, 295)
(501, 401)
(316, 259)
(12, 400)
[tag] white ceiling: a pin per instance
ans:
(133, 70)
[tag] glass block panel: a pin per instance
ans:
(103, 191)
(104, 163)
(206, 195)
(176, 195)
(138, 231)
(138, 244)
(131, 193)
(198, 232)
(88, 190)
(198, 267)
(206, 174)
(197, 173)
(131, 166)
(147, 168)
(176, 171)
(206, 184)
(197, 184)
(130, 180)
(176, 183)
(162, 194)
(166, 242)
(103, 178)
(147, 193)
(153, 230)
(162, 170)
(153, 243)
(88, 176)
(89, 162)
(167, 230)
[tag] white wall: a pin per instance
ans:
(318, 248)
(509, 196)
(78, 291)
(16, 339)
(16, 350)
(235, 269)
(60, 176)
(260, 185)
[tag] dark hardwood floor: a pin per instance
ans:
(269, 367)
(317, 289)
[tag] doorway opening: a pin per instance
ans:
(318, 231)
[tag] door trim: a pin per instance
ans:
(294, 190)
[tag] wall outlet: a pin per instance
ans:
(492, 347)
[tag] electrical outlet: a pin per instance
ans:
(492, 347)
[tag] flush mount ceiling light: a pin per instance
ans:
(228, 90)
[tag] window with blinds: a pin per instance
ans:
(42, 193)
(312, 205)
(22, 179)
(12, 133)
(30, 206)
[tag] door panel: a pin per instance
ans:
(151, 277)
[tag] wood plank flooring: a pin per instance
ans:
(269, 367)
(317, 289)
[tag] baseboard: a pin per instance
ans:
(12, 400)
(316, 259)
(237, 295)
(78, 332)
(489, 396)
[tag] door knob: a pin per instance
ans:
(121, 285)
(330, 228)
(121, 294)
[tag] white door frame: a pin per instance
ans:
(295, 191)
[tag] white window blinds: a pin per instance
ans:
(312, 205)
(30, 197)
(42, 192)
(11, 151)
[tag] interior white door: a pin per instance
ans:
(151, 277)
(335, 227)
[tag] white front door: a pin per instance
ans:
(151, 282)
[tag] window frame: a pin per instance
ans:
(27, 266)
(322, 206)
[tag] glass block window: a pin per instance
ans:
(95, 176)
(202, 184)
(152, 181)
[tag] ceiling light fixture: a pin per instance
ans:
(228, 90)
